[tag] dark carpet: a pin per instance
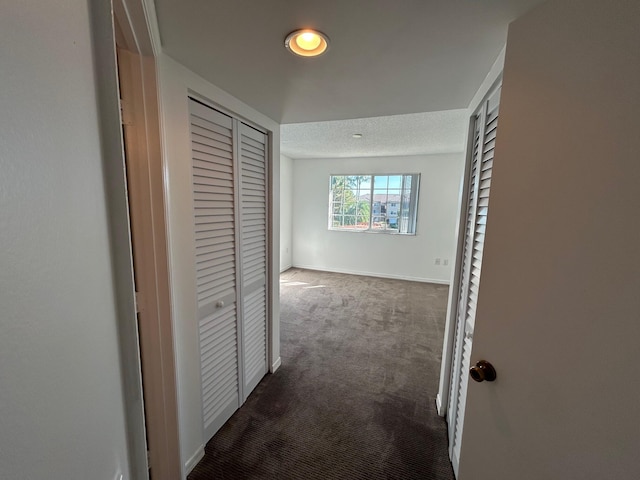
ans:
(355, 395)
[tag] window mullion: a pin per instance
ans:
(401, 202)
(342, 204)
(373, 179)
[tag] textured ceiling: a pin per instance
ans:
(410, 134)
(387, 57)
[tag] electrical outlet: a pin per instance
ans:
(445, 262)
(437, 261)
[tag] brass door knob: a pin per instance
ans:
(482, 371)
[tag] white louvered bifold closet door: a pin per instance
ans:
(215, 235)
(484, 136)
(230, 177)
(253, 235)
(454, 408)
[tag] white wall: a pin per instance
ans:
(558, 307)
(286, 212)
(176, 83)
(61, 394)
(410, 257)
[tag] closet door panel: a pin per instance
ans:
(486, 123)
(215, 262)
(253, 234)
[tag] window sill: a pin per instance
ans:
(371, 232)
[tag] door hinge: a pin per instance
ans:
(125, 112)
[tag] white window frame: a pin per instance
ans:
(411, 207)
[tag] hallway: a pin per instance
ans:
(355, 395)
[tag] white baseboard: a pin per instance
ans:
(439, 406)
(374, 274)
(193, 461)
(284, 269)
(276, 365)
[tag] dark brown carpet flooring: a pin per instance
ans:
(355, 395)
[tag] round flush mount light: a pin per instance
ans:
(357, 135)
(307, 42)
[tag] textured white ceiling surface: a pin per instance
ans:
(387, 57)
(397, 135)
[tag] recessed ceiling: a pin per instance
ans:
(387, 57)
(410, 134)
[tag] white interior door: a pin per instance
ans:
(253, 235)
(484, 135)
(558, 310)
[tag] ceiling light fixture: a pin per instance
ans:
(357, 135)
(307, 42)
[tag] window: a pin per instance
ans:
(379, 203)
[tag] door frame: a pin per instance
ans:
(137, 74)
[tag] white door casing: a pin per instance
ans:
(154, 335)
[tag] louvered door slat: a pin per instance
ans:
(225, 384)
(204, 250)
(211, 147)
(227, 395)
(205, 198)
(211, 158)
(218, 123)
(214, 281)
(215, 263)
(251, 182)
(255, 331)
(208, 258)
(207, 268)
(211, 163)
(220, 363)
(216, 349)
(212, 328)
(204, 172)
(211, 383)
(209, 137)
(203, 181)
(251, 161)
(254, 140)
(211, 232)
(216, 189)
(210, 274)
